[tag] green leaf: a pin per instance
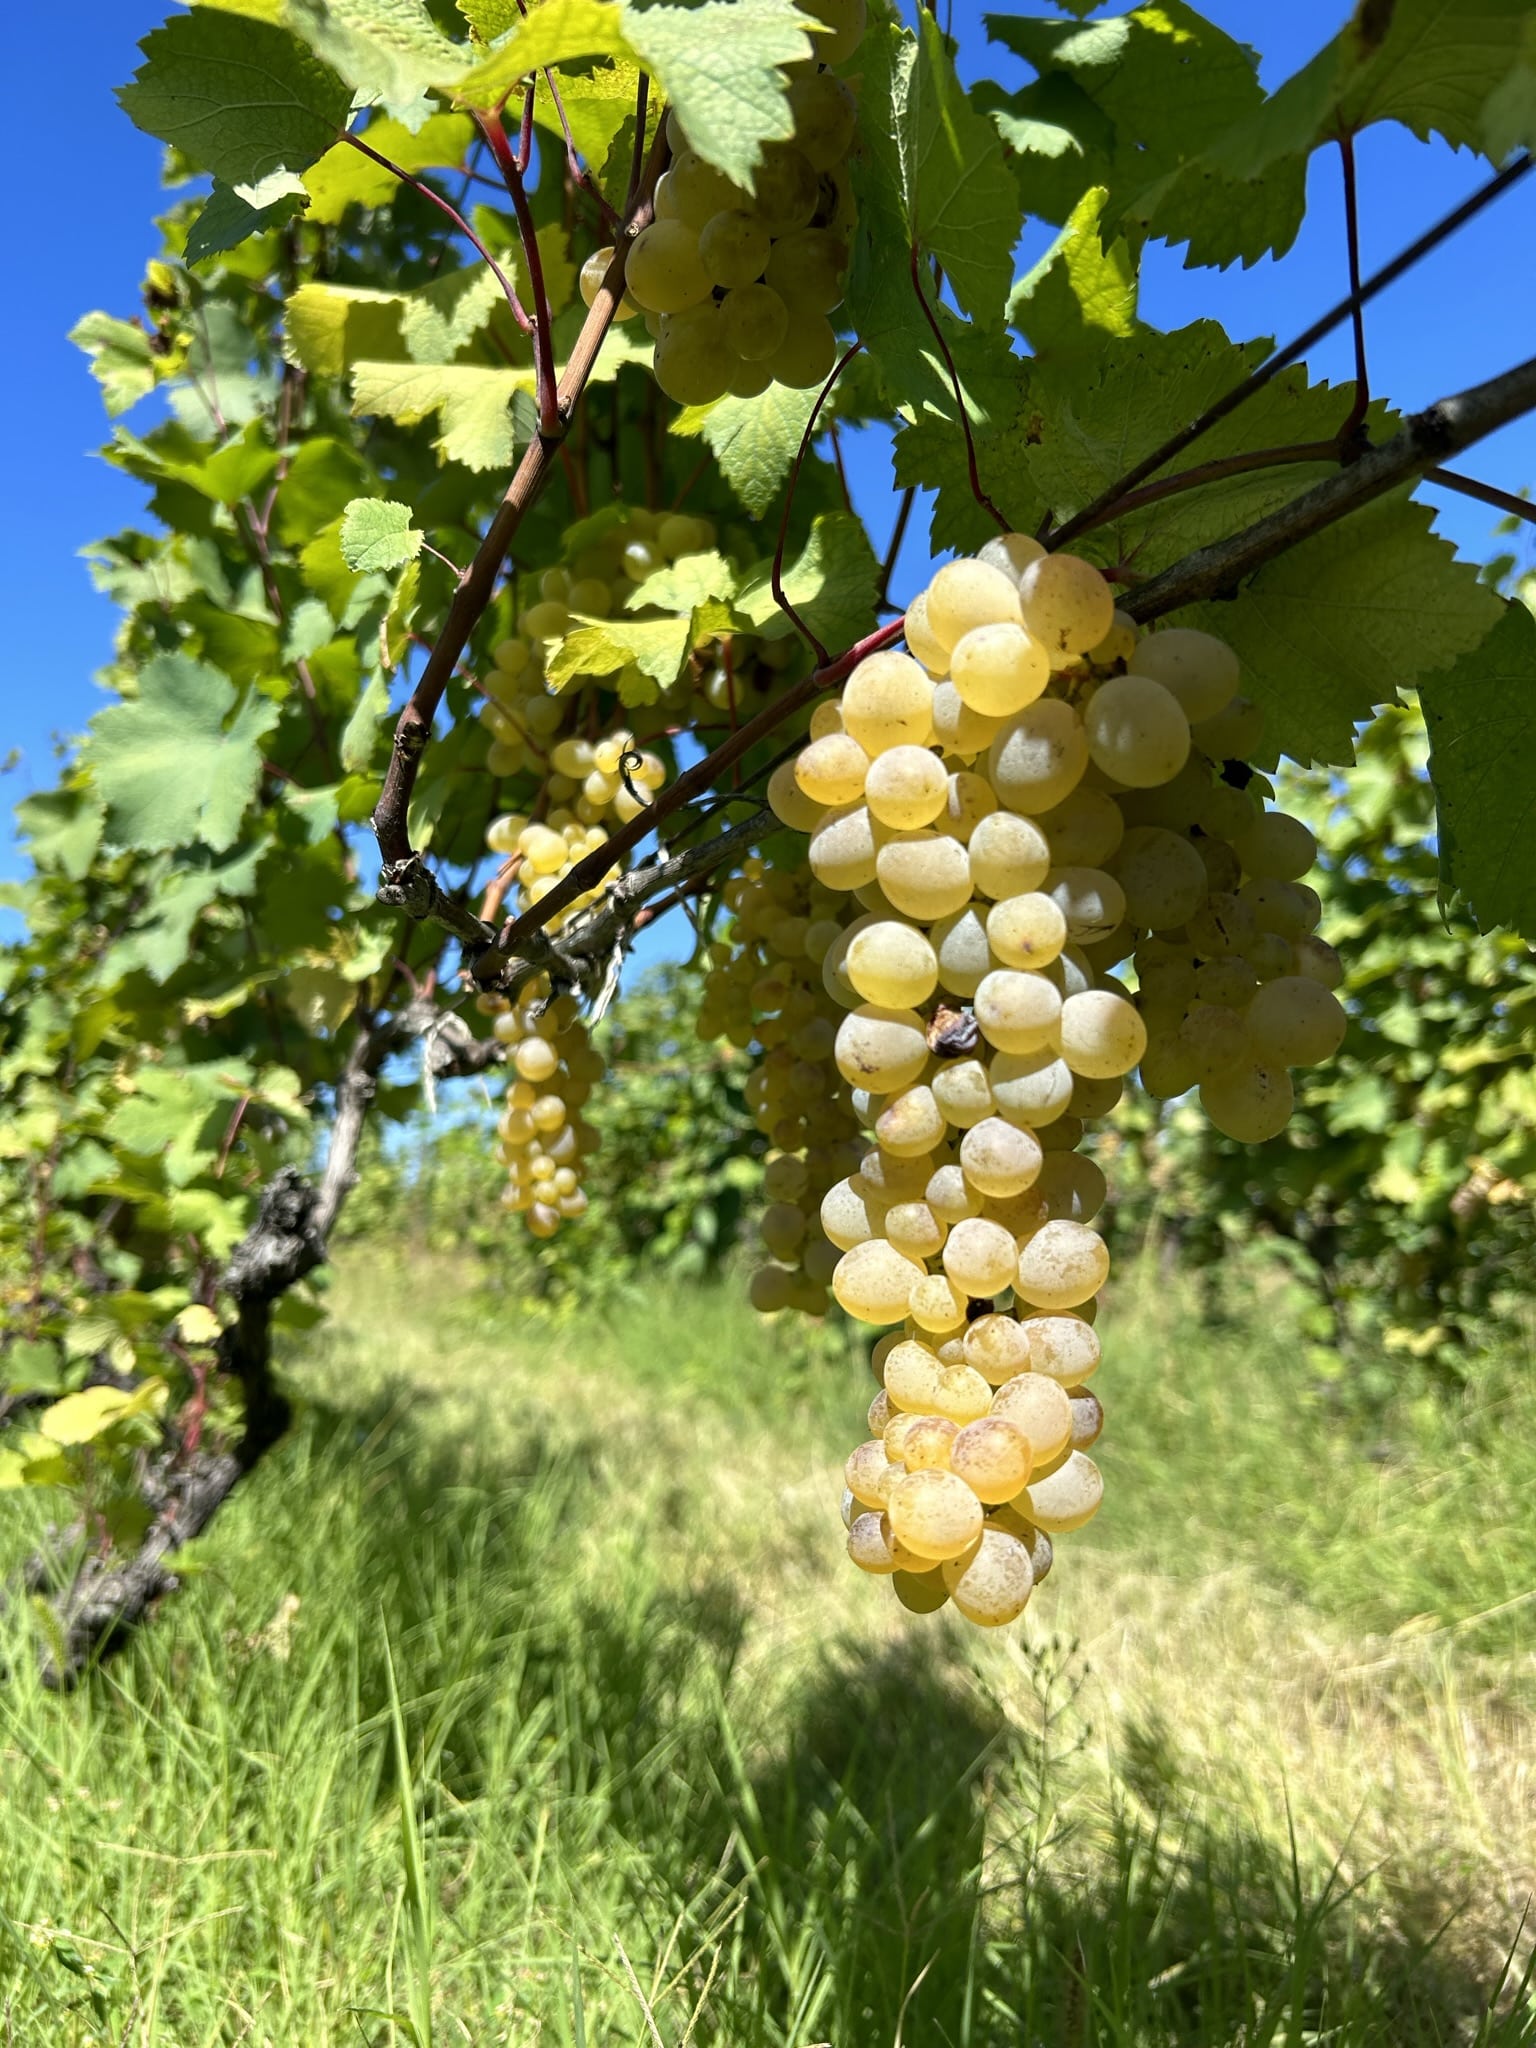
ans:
(1063, 139)
(689, 581)
(344, 177)
(832, 585)
(754, 440)
(162, 942)
(62, 828)
(1004, 418)
(179, 1115)
(1336, 626)
(239, 98)
(657, 647)
(1170, 84)
(328, 327)
(935, 175)
(474, 406)
(322, 478)
(1435, 66)
(1081, 289)
(121, 360)
(173, 766)
(717, 62)
(31, 1365)
(81, 1418)
(551, 34)
(376, 533)
(360, 735)
(387, 50)
(1482, 729)
(228, 219)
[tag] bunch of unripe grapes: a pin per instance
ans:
(1021, 801)
(736, 286)
(764, 990)
(611, 777)
(523, 716)
(541, 1137)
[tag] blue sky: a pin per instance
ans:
(1464, 315)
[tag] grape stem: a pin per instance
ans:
(413, 733)
(693, 782)
(1441, 429)
(954, 384)
(777, 578)
(446, 206)
(490, 126)
(1094, 513)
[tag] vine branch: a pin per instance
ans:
(1270, 368)
(1441, 429)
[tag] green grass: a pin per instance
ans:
(524, 1695)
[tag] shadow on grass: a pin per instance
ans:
(866, 1850)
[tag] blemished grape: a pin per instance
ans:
(963, 1090)
(980, 1257)
(873, 1281)
(998, 669)
(1066, 604)
(1027, 930)
(1294, 1021)
(907, 788)
(998, 1158)
(991, 1584)
(1038, 756)
(1061, 1347)
(881, 1049)
(1063, 1264)
(1066, 1498)
(934, 1514)
(1040, 1410)
(1017, 1011)
(887, 702)
(924, 874)
(1252, 1102)
(992, 1456)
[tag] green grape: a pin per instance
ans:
(664, 273)
(804, 358)
(734, 248)
(825, 116)
(845, 20)
(807, 269)
(753, 321)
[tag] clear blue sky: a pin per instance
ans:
(1466, 314)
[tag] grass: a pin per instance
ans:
(524, 1697)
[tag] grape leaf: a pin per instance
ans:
(239, 98)
(328, 327)
(387, 50)
(173, 766)
(62, 828)
(179, 1115)
(717, 63)
(754, 440)
(934, 174)
(930, 452)
(1061, 139)
(1170, 84)
(1482, 728)
(1079, 284)
(689, 581)
(80, 1418)
(376, 533)
(658, 647)
(163, 941)
(473, 406)
(229, 218)
(553, 33)
(1336, 626)
(344, 177)
(121, 361)
(832, 585)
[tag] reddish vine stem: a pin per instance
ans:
(1270, 368)
(543, 341)
(590, 870)
(446, 206)
(1351, 438)
(420, 893)
(1215, 471)
(777, 579)
(954, 384)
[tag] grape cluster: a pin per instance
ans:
(541, 1136)
(1027, 797)
(736, 286)
(764, 990)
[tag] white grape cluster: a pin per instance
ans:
(736, 286)
(1018, 803)
(541, 1136)
(610, 778)
(764, 990)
